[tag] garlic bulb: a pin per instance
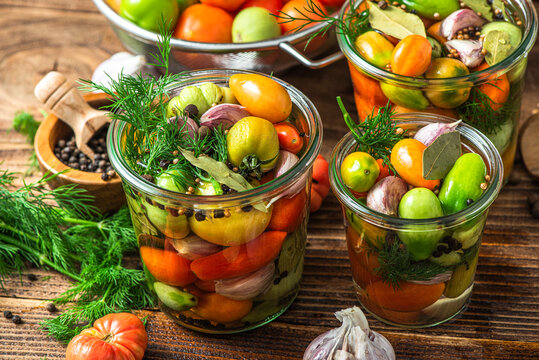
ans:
(352, 341)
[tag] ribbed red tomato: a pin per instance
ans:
(119, 336)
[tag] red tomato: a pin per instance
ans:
(333, 3)
(287, 214)
(204, 23)
(298, 9)
(320, 185)
(229, 5)
(289, 138)
(167, 265)
(119, 336)
(272, 5)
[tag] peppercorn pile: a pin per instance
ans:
(68, 153)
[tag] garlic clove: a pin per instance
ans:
(286, 161)
(225, 115)
(440, 278)
(469, 51)
(459, 20)
(247, 286)
(187, 123)
(193, 247)
(431, 132)
(353, 340)
(386, 194)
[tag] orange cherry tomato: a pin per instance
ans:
(114, 336)
(497, 90)
(228, 5)
(204, 23)
(114, 4)
(272, 5)
(289, 138)
(407, 297)
(261, 96)
(368, 88)
(364, 107)
(407, 158)
(218, 308)
(411, 56)
(167, 265)
(320, 183)
(384, 170)
(298, 9)
(287, 214)
(434, 31)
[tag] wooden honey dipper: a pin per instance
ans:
(61, 97)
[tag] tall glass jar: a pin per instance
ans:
(389, 285)
(456, 96)
(224, 264)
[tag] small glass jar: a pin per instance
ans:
(386, 284)
(224, 264)
(454, 97)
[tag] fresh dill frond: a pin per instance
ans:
(478, 111)
(219, 145)
(397, 265)
(26, 124)
(376, 135)
(354, 24)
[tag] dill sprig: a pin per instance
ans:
(376, 135)
(60, 230)
(354, 24)
(478, 111)
(26, 124)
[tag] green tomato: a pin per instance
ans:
(148, 13)
(212, 93)
(228, 96)
(253, 136)
(359, 171)
(174, 180)
(408, 98)
(420, 203)
(463, 183)
(188, 95)
(432, 9)
(170, 225)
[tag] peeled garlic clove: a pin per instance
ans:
(225, 115)
(386, 194)
(469, 51)
(247, 286)
(192, 247)
(459, 20)
(352, 340)
(187, 124)
(429, 133)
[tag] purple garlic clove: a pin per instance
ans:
(469, 51)
(286, 161)
(223, 114)
(247, 286)
(187, 124)
(192, 247)
(429, 133)
(386, 194)
(459, 20)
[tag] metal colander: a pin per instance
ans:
(274, 55)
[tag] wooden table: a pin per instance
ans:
(502, 320)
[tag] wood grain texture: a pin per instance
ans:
(502, 319)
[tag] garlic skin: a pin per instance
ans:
(459, 20)
(225, 115)
(352, 341)
(469, 51)
(247, 286)
(193, 247)
(386, 194)
(431, 132)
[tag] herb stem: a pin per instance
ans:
(42, 258)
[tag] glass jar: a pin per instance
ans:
(229, 263)
(455, 97)
(388, 282)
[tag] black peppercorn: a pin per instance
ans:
(51, 307)
(188, 212)
(104, 176)
(218, 213)
(535, 210)
(469, 201)
(191, 110)
(199, 216)
(382, 4)
(8, 314)
(32, 277)
(16, 319)
(247, 208)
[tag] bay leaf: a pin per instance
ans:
(498, 46)
(480, 6)
(439, 157)
(221, 173)
(395, 22)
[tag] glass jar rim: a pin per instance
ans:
(477, 77)
(474, 136)
(269, 189)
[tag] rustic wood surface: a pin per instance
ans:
(502, 320)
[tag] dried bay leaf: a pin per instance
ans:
(480, 6)
(498, 46)
(395, 22)
(221, 173)
(439, 157)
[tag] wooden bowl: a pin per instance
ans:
(108, 194)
